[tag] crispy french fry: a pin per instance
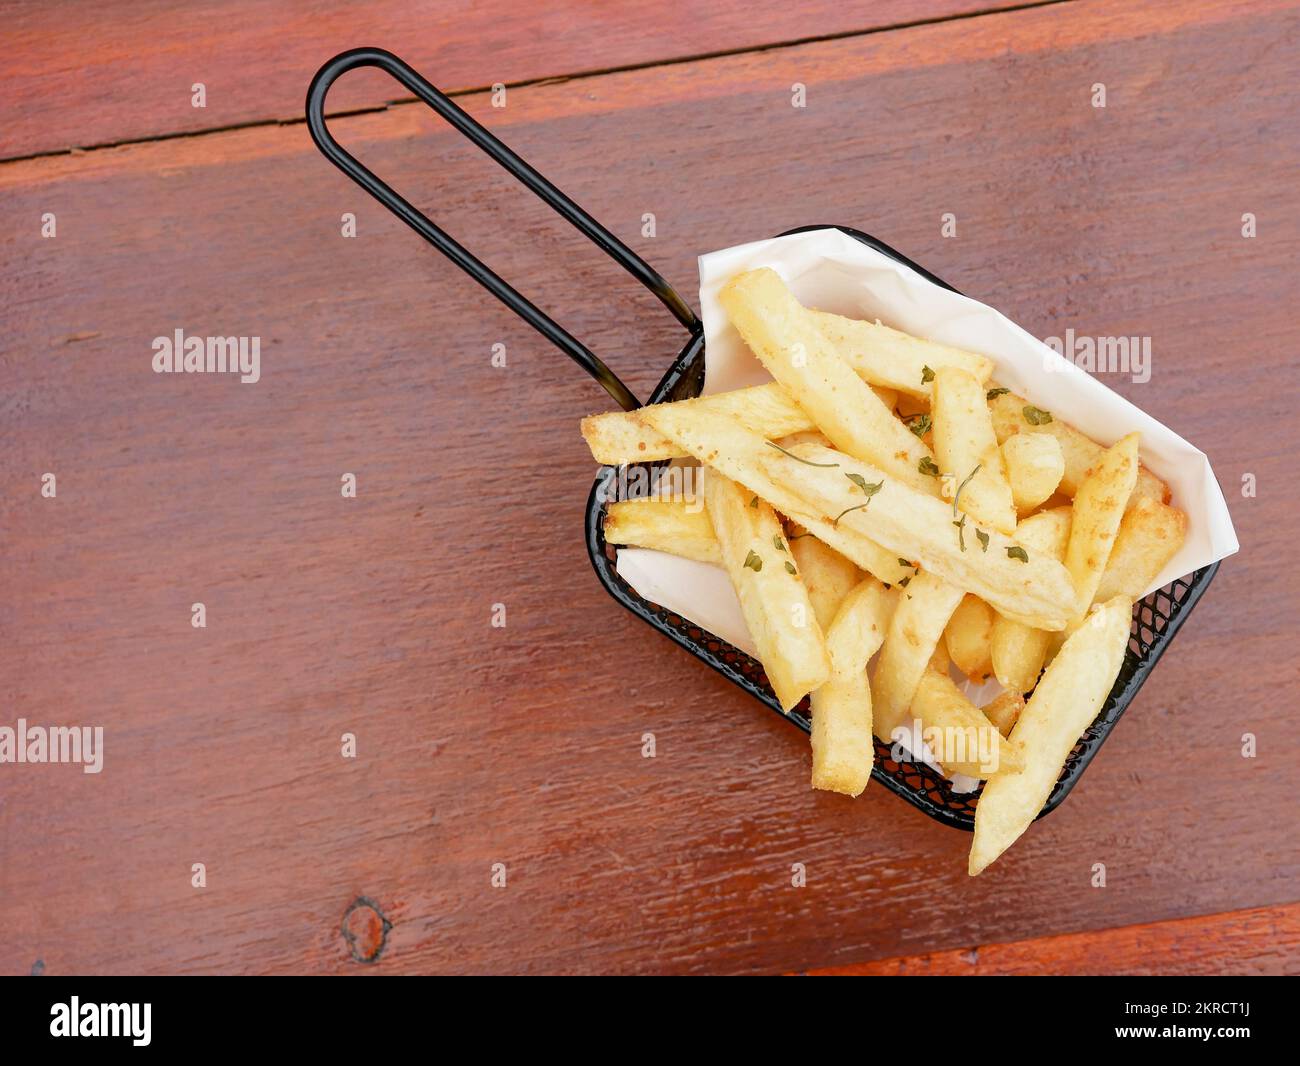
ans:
(1098, 508)
(914, 631)
(1004, 711)
(1030, 588)
(772, 597)
(888, 357)
(842, 746)
(1080, 453)
(819, 488)
(961, 738)
(1018, 651)
(1066, 702)
(787, 341)
(967, 450)
(674, 526)
(968, 636)
(1149, 536)
(618, 437)
(828, 576)
(1035, 465)
(729, 447)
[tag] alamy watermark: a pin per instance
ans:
(1102, 355)
(53, 744)
(179, 354)
(684, 484)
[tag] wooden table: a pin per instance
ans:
(521, 745)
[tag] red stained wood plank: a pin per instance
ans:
(78, 75)
(522, 746)
(1260, 942)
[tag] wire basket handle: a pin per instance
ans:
(575, 215)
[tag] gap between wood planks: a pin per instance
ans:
(550, 79)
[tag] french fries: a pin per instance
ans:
(1017, 542)
(1035, 465)
(828, 576)
(1149, 536)
(1018, 651)
(787, 341)
(1018, 583)
(618, 437)
(886, 357)
(961, 738)
(1081, 455)
(1065, 703)
(735, 451)
(772, 596)
(967, 451)
(842, 748)
(1004, 711)
(914, 631)
(666, 525)
(968, 638)
(1098, 507)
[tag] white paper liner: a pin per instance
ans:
(832, 271)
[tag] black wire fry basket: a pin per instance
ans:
(1156, 619)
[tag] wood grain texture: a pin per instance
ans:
(1260, 942)
(78, 74)
(522, 745)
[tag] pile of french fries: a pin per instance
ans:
(884, 500)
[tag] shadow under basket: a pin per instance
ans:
(1155, 621)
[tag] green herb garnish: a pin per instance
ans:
(928, 466)
(961, 532)
(776, 541)
(1017, 552)
(993, 394)
(983, 538)
(753, 561)
(836, 520)
(753, 502)
(806, 462)
(904, 562)
(1036, 416)
(919, 424)
(927, 375)
(861, 483)
(957, 494)
(789, 568)
(902, 581)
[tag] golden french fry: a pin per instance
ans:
(1004, 711)
(1066, 702)
(674, 526)
(787, 341)
(967, 451)
(910, 406)
(897, 360)
(729, 447)
(1016, 582)
(828, 576)
(842, 745)
(961, 738)
(826, 491)
(618, 437)
(1098, 508)
(772, 596)
(1018, 651)
(923, 610)
(1035, 465)
(1149, 536)
(968, 636)
(888, 397)
(1081, 454)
